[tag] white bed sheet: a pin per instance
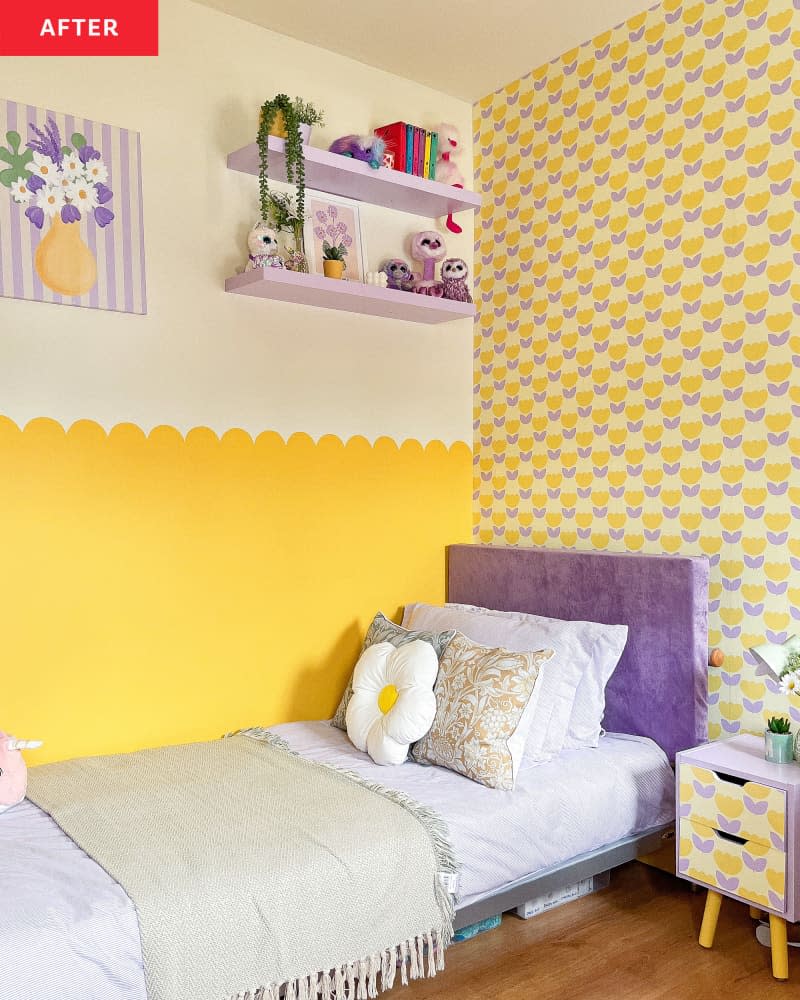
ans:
(580, 801)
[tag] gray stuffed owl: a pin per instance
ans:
(454, 278)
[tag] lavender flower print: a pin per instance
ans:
(330, 228)
(71, 211)
(61, 185)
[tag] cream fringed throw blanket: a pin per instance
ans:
(255, 872)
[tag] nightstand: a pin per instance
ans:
(738, 835)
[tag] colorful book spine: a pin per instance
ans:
(414, 149)
(394, 136)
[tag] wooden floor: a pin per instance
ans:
(635, 940)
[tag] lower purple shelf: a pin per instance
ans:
(349, 296)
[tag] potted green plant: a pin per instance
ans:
(308, 116)
(333, 259)
(279, 115)
(778, 741)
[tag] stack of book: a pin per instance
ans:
(413, 148)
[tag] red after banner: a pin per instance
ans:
(75, 28)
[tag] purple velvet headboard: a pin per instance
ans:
(660, 687)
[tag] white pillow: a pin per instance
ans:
(393, 703)
(572, 703)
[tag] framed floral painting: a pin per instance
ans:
(71, 214)
(337, 221)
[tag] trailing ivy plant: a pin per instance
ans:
(295, 163)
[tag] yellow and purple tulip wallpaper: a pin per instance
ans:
(637, 351)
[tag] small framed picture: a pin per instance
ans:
(334, 220)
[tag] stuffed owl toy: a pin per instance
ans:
(262, 242)
(13, 772)
(454, 280)
(399, 275)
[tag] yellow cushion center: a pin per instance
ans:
(387, 698)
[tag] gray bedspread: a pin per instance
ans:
(255, 871)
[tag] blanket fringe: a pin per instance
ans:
(374, 974)
(417, 958)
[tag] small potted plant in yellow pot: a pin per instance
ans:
(333, 259)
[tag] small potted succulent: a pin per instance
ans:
(333, 259)
(778, 741)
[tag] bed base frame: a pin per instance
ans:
(560, 876)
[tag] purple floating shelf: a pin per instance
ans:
(349, 296)
(349, 178)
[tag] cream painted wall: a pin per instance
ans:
(201, 357)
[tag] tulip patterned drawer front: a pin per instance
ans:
(744, 809)
(744, 868)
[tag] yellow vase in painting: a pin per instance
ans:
(63, 261)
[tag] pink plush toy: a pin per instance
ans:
(446, 171)
(13, 773)
(428, 248)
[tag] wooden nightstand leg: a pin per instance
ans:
(710, 917)
(755, 913)
(780, 947)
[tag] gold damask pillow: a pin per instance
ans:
(485, 700)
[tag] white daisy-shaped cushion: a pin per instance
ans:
(393, 703)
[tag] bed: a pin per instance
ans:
(73, 931)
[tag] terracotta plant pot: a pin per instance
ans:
(333, 268)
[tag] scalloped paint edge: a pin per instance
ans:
(164, 433)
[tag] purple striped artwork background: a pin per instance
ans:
(118, 249)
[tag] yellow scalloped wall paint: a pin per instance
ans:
(637, 357)
(161, 589)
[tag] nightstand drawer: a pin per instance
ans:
(743, 868)
(746, 809)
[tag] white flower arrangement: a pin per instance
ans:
(51, 179)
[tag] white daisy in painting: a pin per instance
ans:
(44, 167)
(82, 194)
(96, 171)
(71, 165)
(50, 200)
(20, 191)
(790, 683)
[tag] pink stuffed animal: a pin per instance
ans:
(446, 171)
(13, 773)
(428, 248)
